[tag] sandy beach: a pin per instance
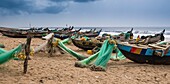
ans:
(60, 69)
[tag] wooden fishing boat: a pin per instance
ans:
(22, 34)
(152, 54)
(121, 37)
(72, 32)
(149, 39)
(92, 34)
(7, 29)
(68, 32)
(14, 34)
(64, 35)
(65, 29)
(144, 52)
(69, 29)
(94, 42)
(88, 31)
(86, 45)
(61, 36)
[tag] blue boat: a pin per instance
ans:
(61, 36)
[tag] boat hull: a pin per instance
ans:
(61, 36)
(21, 35)
(85, 45)
(146, 59)
(143, 55)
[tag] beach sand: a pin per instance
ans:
(60, 69)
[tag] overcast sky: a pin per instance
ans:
(107, 13)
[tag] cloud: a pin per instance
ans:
(83, 0)
(14, 7)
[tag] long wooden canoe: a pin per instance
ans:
(145, 53)
(86, 45)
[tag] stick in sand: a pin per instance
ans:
(27, 52)
(50, 45)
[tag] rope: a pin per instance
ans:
(56, 42)
(21, 55)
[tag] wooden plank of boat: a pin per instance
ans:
(156, 46)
